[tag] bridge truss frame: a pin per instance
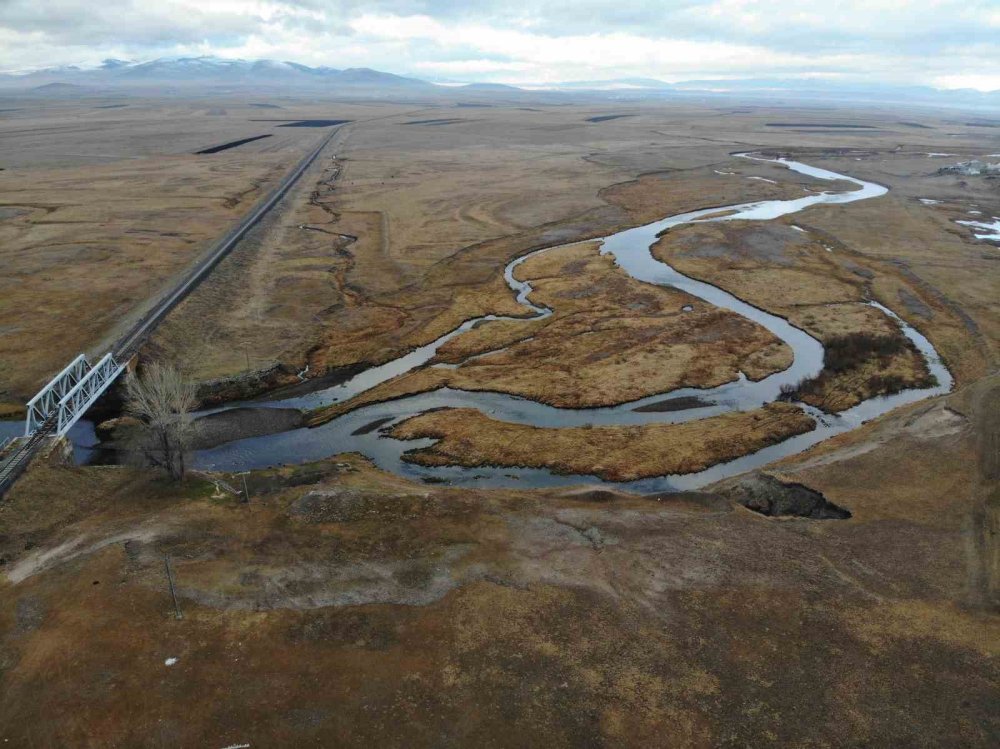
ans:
(46, 402)
(67, 397)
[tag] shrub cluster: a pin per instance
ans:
(850, 352)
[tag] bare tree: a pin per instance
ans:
(161, 399)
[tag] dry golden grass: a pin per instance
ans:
(437, 213)
(469, 438)
(611, 339)
(411, 615)
(102, 209)
(94, 245)
(488, 336)
(275, 285)
(349, 607)
(823, 291)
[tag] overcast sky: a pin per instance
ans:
(944, 43)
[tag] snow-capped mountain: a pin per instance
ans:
(210, 71)
(216, 74)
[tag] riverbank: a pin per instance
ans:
(466, 437)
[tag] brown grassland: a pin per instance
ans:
(467, 437)
(346, 606)
(611, 339)
(786, 271)
(436, 216)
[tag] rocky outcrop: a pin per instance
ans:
(769, 496)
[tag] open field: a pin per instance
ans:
(93, 246)
(348, 606)
(436, 212)
(99, 216)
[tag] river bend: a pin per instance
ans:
(631, 249)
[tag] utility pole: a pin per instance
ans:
(170, 582)
(246, 490)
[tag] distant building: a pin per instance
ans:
(974, 168)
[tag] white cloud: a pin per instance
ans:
(942, 42)
(549, 57)
(466, 67)
(980, 82)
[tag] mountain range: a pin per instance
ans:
(185, 72)
(214, 74)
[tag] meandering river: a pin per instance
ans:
(632, 252)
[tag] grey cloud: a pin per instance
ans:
(908, 29)
(78, 22)
(894, 37)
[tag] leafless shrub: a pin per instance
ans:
(161, 399)
(849, 351)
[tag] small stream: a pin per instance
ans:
(631, 249)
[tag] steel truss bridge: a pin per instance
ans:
(56, 408)
(68, 396)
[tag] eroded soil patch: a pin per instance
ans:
(769, 496)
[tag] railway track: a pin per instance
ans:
(21, 455)
(129, 343)
(12, 466)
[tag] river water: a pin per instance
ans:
(632, 252)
